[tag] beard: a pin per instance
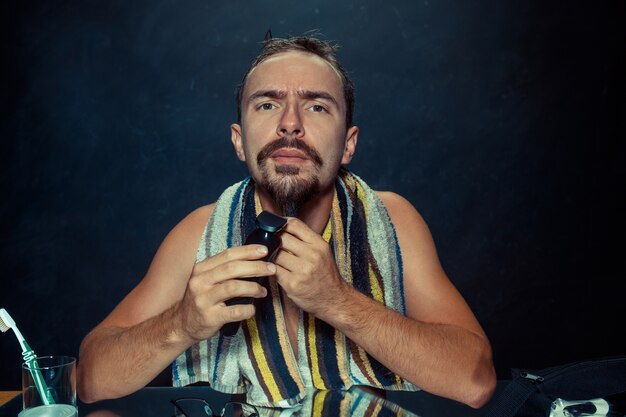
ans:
(284, 185)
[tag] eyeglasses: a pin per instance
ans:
(198, 406)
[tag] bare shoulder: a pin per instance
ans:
(430, 296)
(191, 225)
(414, 237)
(423, 274)
(402, 213)
(178, 250)
(166, 278)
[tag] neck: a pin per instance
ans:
(314, 213)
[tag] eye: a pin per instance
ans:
(317, 108)
(266, 106)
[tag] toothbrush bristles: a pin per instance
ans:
(6, 322)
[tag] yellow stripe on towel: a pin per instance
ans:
(259, 355)
(318, 382)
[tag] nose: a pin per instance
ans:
(290, 123)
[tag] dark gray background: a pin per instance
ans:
(501, 121)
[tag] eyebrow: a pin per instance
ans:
(312, 95)
(307, 94)
(276, 94)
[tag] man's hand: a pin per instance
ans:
(213, 281)
(307, 270)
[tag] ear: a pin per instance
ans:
(351, 139)
(236, 139)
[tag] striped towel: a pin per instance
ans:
(327, 403)
(259, 359)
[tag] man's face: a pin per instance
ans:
(293, 136)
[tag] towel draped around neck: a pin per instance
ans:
(259, 359)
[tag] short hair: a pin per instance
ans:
(324, 49)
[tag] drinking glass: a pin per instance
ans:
(49, 387)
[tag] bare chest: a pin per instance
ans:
(291, 314)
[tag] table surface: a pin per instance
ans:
(5, 396)
(155, 401)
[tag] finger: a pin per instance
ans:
(239, 269)
(206, 282)
(287, 260)
(311, 251)
(282, 277)
(295, 245)
(245, 252)
(236, 288)
(299, 229)
(238, 312)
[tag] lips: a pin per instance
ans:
(289, 155)
(286, 150)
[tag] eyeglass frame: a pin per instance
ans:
(208, 405)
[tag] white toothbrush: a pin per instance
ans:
(6, 323)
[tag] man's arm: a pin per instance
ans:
(439, 347)
(177, 304)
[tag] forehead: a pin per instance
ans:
(294, 70)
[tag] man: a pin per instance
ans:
(355, 296)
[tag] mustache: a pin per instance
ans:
(286, 142)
